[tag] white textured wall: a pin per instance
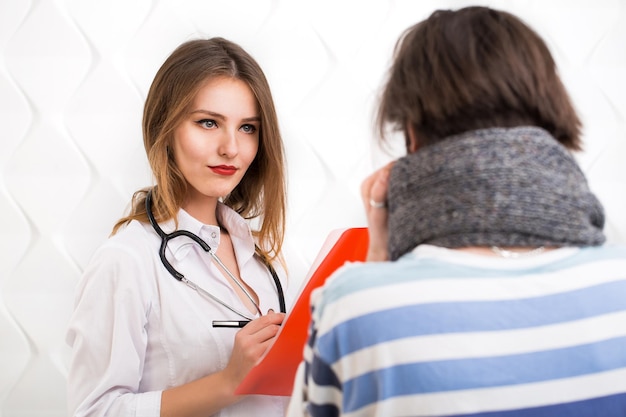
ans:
(73, 76)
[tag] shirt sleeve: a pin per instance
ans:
(317, 389)
(107, 334)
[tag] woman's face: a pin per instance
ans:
(218, 139)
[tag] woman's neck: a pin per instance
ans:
(202, 209)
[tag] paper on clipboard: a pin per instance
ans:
(275, 373)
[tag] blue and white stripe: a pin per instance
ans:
(432, 337)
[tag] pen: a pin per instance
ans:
(230, 323)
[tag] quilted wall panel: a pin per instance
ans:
(73, 77)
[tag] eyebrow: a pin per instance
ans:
(222, 117)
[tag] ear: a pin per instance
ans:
(412, 144)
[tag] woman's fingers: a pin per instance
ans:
(251, 342)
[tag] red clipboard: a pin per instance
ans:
(275, 373)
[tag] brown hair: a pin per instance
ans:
(470, 69)
(261, 193)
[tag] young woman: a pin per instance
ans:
(144, 343)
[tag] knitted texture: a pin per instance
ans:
(492, 187)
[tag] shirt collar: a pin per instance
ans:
(236, 225)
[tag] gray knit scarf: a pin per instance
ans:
(503, 187)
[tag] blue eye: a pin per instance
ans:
(207, 123)
(248, 128)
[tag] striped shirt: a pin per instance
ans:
(448, 333)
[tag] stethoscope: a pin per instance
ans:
(166, 237)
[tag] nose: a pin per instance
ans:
(228, 146)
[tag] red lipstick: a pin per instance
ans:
(223, 169)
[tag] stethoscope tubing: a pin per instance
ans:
(166, 237)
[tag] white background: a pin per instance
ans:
(73, 77)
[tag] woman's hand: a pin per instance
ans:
(374, 195)
(208, 395)
(250, 345)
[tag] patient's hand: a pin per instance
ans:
(374, 195)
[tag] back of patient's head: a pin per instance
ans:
(475, 68)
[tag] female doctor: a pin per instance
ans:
(144, 343)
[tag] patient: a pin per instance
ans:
(489, 289)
